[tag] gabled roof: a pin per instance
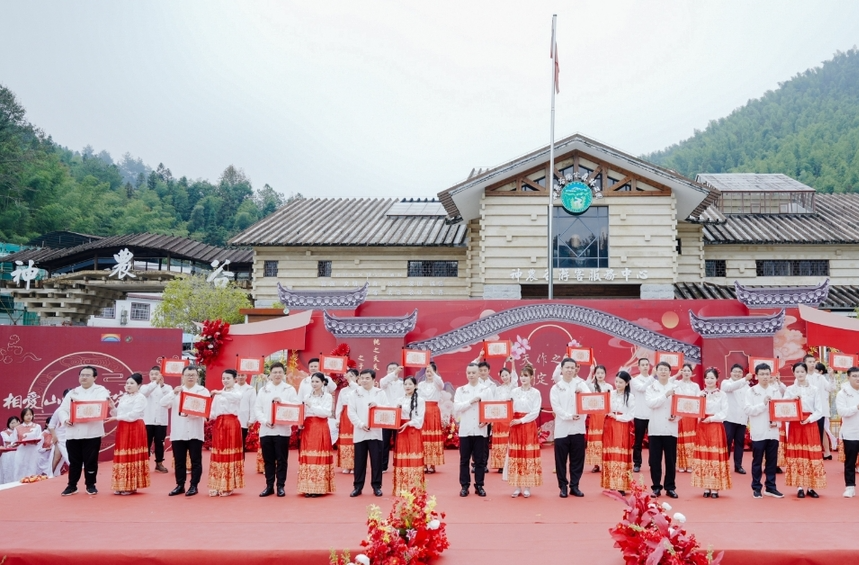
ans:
(462, 200)
(752, 182)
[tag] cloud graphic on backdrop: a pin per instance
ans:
(788, 344)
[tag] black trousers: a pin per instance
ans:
(388, 438)
(181, 450)
(640, 430)
(275, 457)
(157, 435)
(764, 448)
(83, 455)
(570, 449)
(374, 450)
(663, 447)
(851, 450)
(488, 442)
(472, 447)
(821, 422)
(736, 435)
(244, 439)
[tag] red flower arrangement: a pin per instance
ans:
(208, 425)
(451, 441)
(252, 441)
(212, 337)
(648, 536)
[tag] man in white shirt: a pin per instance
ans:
(247, 414)
(641, 418)
(274, 438)
(472, 433)
(392, 384)
(83, 440)
(156, 417)
(305, 388)
(847, 405)
(764, 433)
(569, 428)
(662, 431)
(735, 389)
(186, 433)
(367, 440)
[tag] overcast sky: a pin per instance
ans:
(394, 99)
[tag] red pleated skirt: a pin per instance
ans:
(316, 458)
(593, 451)
(804, 456)
(345, 441)
(498, 449)
(524, 466)
(711, 468)
(433, 435)
(130, 457)
(617, 441)
(687, 431)
(227, 463)
(408, 460)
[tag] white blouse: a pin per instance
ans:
(809, 397)
(716, 405)
(687, 389)
(343, 399)
(130, 407)
(622, 412)
(504, 392)
(604, 386)
(318, 406)
(7, 436)
(417, 418)
(226, 402)
(21, 433)
(528, 401)
(431, 391)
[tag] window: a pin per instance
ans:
(580, 241)
(323, 269)
(786, 268)
(679, 247)
(109, 313)
(715, 268)
(433, 268)
(269, 269)
(139, 312)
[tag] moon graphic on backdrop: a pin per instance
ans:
(670, 320)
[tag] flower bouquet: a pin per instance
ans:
(213, 334)
(451, 440)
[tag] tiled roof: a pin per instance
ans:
(841, 297)
(753, 182)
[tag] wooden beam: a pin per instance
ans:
(618, 184)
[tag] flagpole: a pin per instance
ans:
(550, 179)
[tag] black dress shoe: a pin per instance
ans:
(671, 494)
(813, 494)
(307, 495)
(191, 491)
(707, 494)
(779, 470)
(576, 492)
(563, 492)
(356, 492)
(280, 492)
(636, 469)
(177, 490)
(267, 492)
(464, 492)
(800, 493)
(827, 458)
(740, 470)
(656, 492)
(377, 491)
(714, 495)
(480, 491)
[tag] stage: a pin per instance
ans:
(39, 526)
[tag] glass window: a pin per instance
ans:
(323, 269)
(433, 268)
(270, 269)
(109, 313)
(715, 268)
(788, 268)
(140, 312)
(580, 241)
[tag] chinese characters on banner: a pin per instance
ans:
(578, 275)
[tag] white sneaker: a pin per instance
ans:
(516, 493)
(850, 492)
(526, 493)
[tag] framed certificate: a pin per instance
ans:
(785, 410)
(496, 411)
(673, 358)
(173, 367)
(287, 413)
(593, 402)
(755, 361)
(497, 348)
(842, 361)
(688, 406)
(581, 355)
(384, 417)
(415, 358)
(191, 404)
(88, 411)
(250, 365)
(332, 364)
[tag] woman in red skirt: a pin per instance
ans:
(711, 469)
(524, 466)
(227, 463)
(131, 452)
(345, 444)
(500, 430)
(595, 422)
(617, 438)
(409, 447)
(316, 458)
(687, 428)
(433, 429)
(803, 452)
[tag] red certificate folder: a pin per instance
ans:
(496, 411)
(497, 348)
(287, 413)
(191, 404)
(673, 358)
(755, 361)
(581, 355)
(593, 402)
(250, 365)
(330, 364)
(688, 406)
(415, 358)
(842, 361)
(384, 417)
(173, 367)
(786, 410)
(88, 411)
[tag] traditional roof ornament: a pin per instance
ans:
(321, 299)
(370, 327)
(783, 296)
(737, 326)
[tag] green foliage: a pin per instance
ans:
(191, 299)
(808, 129)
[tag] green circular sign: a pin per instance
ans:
(576, 197)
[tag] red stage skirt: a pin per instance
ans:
(782, 440)
(315, 458)
(498, 449)
(686, 433)
(130, 457)
(433, 436)
(593, 451)
(408, 460)
(345, 443)
(260, 462)
(617, 442)
(524, 466)
(711, 468)
(227, 463)
(804, 457)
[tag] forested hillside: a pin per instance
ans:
(46, 187)
(808, 129)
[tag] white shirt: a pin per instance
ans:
(392, 384)
(226, 402)
(687, 389)
(759, 411)
(306, 388)
(469, 414)
(131, 407)
(847, 405)
(343, 399)
(638, 386)
(318, 406)
(262, 407)
(562, 397)
(83, 430)
(716, 405)
(623, 412)
(247, 413)
(660, 423)
(431, 391)
(184, 428)
(503, 392)
(809, 397)
(735, 392)
(417, 417)
(528, 401)
(824, 386)
(604, 386)
(359, 412)
(155, 414)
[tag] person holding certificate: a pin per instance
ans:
(227, 464)
(641, 421)
(367, 440)
(803, 451)
(409, 450)
(687, 427)
(156, 416)
(9, 452)
(847, 405)
(735, 389)
(617, 440)
(346, 431)
(764, 432)
(392, 384)
(305, 387)
(500, 430)
(711, 469)
(524, 466)
(131, 452)
(247, 413)
(186, 433)
(315, 456)
(274, 438)
(83, 439)
(472, 433)
(595, 422)
(433, 431)
(569, 428)
(662, 431)
(27, 457)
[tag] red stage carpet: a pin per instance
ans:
(39, 526)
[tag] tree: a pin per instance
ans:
(191, 299)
